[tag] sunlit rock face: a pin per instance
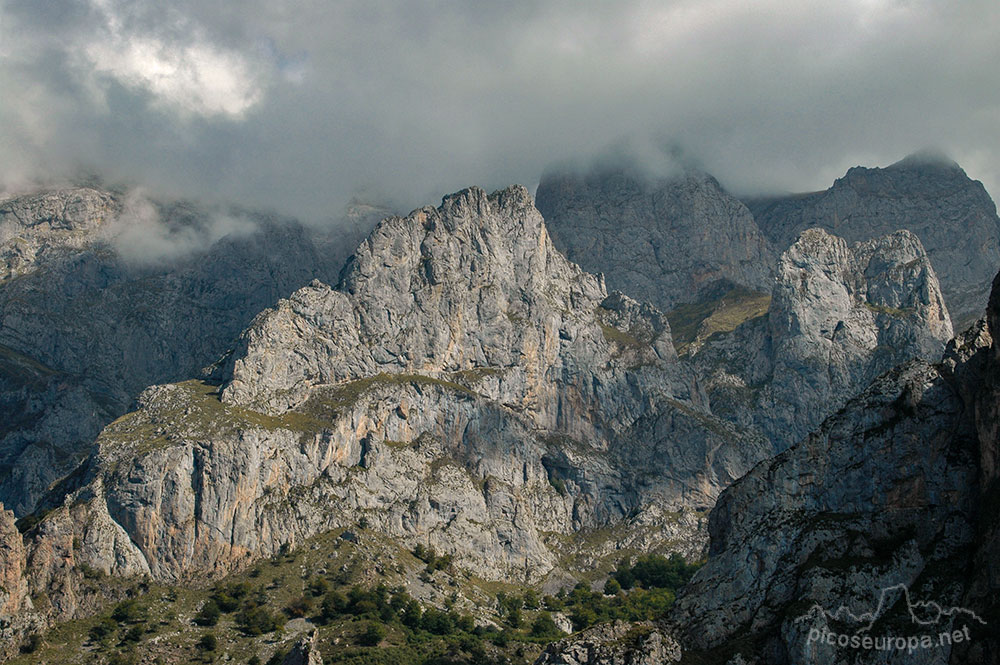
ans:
(888, 496)
(840, 315)
(464, 385)
(953, 215)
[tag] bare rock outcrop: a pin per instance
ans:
(464, 385)
(929, 195)
(13, 588)
(877, 525)
(616, 643)
(84, 328)
(663, 240)
(37, 227)
(840, 315)
(305, 652)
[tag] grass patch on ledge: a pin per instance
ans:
(327, 402)
(891, 311)
(693, 323)
(197, 410)
(620, 337)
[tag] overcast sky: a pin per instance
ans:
(299, 104)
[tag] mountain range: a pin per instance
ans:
(773, 386)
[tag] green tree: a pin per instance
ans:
(334, 604)
(583, 617)
(209, 613)
(372, 635)
(437, 622)
(298, 607)
(258, 621)
(134, 634)
(103, 629)
(208, 642)
(129, 611)
(318, 586)
(544, 626)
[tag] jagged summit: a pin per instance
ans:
(885, 494)
(464, 384)
(472, 283)
(88, 318)
(953, 215)
(840, 315)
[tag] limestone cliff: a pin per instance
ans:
(13, 588)
(931, 196)
(36, 228)
(877, 511)
(84, 328)
(840, 315)
(664, 241)
(464, 385)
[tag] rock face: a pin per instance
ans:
(617, 643)
(17, 618)
(881, 503)
(13, 589)
(783, 343)
(83, 329)
(305, 652)
(984, 585)
(464, 385)
(35, 229)
(663, 241)
(840, 315)
(952, 215)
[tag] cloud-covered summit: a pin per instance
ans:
(297, 105)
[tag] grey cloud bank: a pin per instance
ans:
(299, 105)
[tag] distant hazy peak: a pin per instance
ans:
(926, 193)
(928, 158)
(664, 239)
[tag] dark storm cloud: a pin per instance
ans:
(297, 105)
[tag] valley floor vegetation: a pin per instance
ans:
(362, 613)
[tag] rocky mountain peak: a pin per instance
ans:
(840, 314)
(466, 240)
(34, 226)
(953, 215)
(882, 286)
(662, 240)
(926, 160)
(463, 385)
(89, 318)
(475, 282)
(891, 485)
